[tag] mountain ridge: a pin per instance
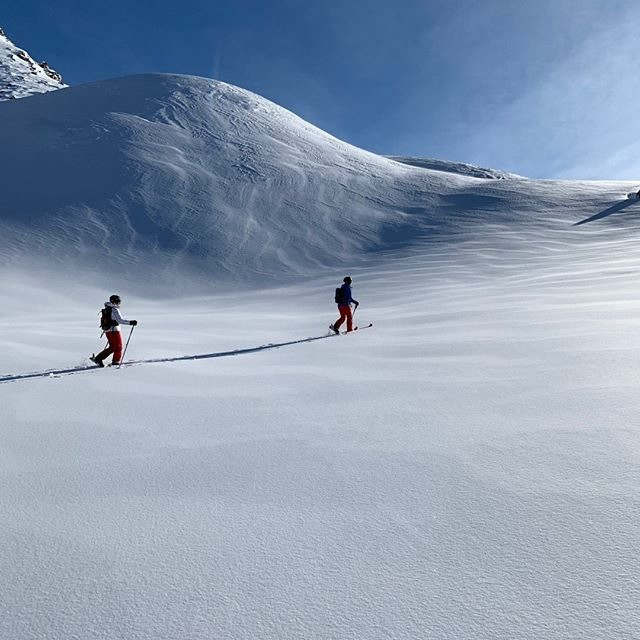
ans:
(21, 76)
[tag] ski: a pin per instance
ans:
(344, 333)
(366, 326)
(100, 365)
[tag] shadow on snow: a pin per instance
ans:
(607, 212)
(199, 356)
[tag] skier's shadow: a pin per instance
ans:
(53, 373)
(607, 212)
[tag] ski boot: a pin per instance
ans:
(96, 361)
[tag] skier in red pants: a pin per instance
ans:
(344, 300)
(110, 322)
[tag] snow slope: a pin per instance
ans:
(21, 75)
(200, 175)
(467, 468)
(167, 174)
(159, 172)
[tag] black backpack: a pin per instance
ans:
(340, 296)
(106, 321)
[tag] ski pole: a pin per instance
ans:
(125, 346)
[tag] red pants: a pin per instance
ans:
(345, 314)
(115, 346)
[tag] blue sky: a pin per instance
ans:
(546, 89)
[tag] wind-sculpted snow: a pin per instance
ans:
(186, 182)
(166, 174)
(460, 168)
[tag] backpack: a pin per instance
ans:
(340, 296)
(106, 322)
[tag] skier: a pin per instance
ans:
(110, 322)
(344, 300)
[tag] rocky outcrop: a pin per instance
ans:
(21, 75)
(52, 73)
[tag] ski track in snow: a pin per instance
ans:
(51, 373)
(131, 363)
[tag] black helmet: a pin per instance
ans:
(115, 299)
(347, 279)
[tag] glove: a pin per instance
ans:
(133, 323)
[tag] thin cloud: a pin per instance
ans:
(579, 120)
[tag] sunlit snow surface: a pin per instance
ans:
(466, 468)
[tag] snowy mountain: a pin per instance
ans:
(21, 75)
(201, 175)
(167, 173)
